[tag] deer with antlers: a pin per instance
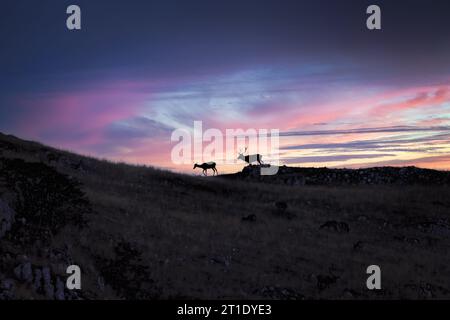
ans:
(207, 165)
(250, 158)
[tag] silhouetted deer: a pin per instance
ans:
(207, 165)
(250, 158)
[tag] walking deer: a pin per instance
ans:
(250, 158)
(207, 165)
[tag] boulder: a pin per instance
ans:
(6, 218)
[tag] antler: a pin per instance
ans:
(240, 150)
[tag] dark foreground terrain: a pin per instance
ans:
(142, 233)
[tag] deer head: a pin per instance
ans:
(241, 154)
(195, 166)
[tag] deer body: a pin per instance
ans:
(250, 158)
(207, 165)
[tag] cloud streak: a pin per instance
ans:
(395, 129)
(333, 158)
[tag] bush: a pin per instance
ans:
(46, 200)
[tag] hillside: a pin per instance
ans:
(142, 233)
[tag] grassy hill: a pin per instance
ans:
(142, 233)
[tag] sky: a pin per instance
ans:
(340, 94)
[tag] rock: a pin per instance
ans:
(280, 205)
(362, 218)
(101, 283)
(426, 291)
(46, 275)
(350, 294)
(49, 289)
(59, 293)
(277, 293)
(413, 240)
(37, 284)
(52, 157)
(358, 246)
(407, 239)
(23, 272)
(249, 218)
(27, 272)
(7, 288)
(325, 281)
(18, 272)
(281, 210)
(6, 218)
(337, 226)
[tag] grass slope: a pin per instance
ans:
(152, 234)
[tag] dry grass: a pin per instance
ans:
(193, 240)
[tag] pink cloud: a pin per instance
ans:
(366, 109)
(422, 99)
(78, 118)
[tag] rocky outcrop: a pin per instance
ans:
(296, 176)
(42, 280)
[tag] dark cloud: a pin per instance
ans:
(365, 130)
(175, 37)
(332, 158)
(376, 144)
(419, 161)
(136, 128)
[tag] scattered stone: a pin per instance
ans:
(27, 273)
(49, 289)
(337, 226)
(52, 157)
(362, 218)
(280, 205)
(349, 294)
(7, 288)
(249, 218)
(101, 283)
(59, 292)
(6, 218)
(325, 281)
(37, 284)
(278, 293)
(281, 210)
(358, 246)
(407, 239)
(23, 272)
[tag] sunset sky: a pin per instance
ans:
(341, 95)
